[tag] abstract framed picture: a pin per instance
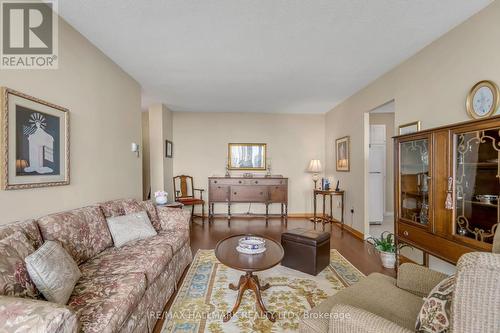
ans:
(34, 142)
(169, 149)
(342, 157)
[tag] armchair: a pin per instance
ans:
(184, 192)
(381, 304)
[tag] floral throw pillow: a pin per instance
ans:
(435, 314)
(14, 277)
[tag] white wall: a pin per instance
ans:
(104, 104)
(200, 148)
(160, 126)
(430, 86)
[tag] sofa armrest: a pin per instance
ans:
(349, 319)
(173, 218)
(418, 280)
(476, 299)
(29, 315)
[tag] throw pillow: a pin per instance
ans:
(130, 227)
(54, 272)
(132, 206)
(14, 277)
(435, 313)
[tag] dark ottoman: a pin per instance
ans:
(307, 251)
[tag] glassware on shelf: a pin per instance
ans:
(477, 187)
(415, 181)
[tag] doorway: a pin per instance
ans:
(379, 180)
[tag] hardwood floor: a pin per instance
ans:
(358, 252)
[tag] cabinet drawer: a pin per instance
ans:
(278, 193)
(433, 244)
(225, 181)
(219, 193)
(244, 193)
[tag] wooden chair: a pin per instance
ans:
(184, 193)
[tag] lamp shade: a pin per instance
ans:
(314, 166)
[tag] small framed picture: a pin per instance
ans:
(342, 154)
(169, 149)
(409, 128)
(35, 142)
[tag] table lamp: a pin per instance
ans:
(315, 169)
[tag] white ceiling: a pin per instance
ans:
(294, 56)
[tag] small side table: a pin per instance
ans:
(172, 204)
(329, 218)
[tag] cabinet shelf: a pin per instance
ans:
(415, 194)
(480, 165)
(483, 204)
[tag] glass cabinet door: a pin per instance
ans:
(414, 181)
(476, 176)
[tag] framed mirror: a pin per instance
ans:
(246, 156)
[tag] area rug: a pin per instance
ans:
(204, 297)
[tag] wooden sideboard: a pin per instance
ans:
(265, 190)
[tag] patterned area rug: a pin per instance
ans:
(204, 297)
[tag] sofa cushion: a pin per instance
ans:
(53, 271)
(103, 303)
(113, 208)
(30, 229)
(175, 238)
(130, 227)
(82, 232)
(150, 207)
(378, 294)
(148, 256)
(173, 218)
(14, 277)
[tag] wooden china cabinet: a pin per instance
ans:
(447, 185)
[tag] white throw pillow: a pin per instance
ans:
(53, 271)
(130, 227)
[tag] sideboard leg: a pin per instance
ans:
(267, 214)
(228, 214)
(286, 214)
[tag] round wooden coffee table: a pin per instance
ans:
(226, 253)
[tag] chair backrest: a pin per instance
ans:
(476, 298)
(183, 187)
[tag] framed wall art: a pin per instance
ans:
(34, 142)
(409, 128)
(342, 154)
(169, 149)
(246, 156)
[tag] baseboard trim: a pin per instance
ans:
(352, 231)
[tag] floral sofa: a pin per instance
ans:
(121, 289)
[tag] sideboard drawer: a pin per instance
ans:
(219, 193)
(278, 193)
(244, 193)
(225, 181)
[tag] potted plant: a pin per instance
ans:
(386, 247)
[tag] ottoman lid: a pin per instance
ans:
(305, 236)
